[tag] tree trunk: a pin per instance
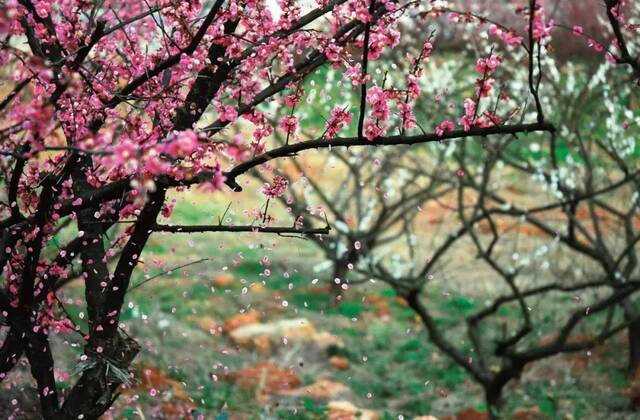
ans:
(10, 352)
(633, 336)
(96, 390)
(493, 399)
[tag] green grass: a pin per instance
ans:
(393, 364)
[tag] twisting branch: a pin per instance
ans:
(165, 272)
(14, 92)
(293, 149)
(348, 32)
(625, 57)
(169, 62)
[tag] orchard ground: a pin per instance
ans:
(222, 338)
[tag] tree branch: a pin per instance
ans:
(293, 149)
(252, 228)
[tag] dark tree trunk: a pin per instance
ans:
(493, 389)
(633, 336)
(96, 390)
(493, 399)
(10, 352)
(36, 347)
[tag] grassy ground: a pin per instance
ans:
(370, 346)
(392, 368)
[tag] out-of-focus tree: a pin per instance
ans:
(556, 222)
(368, 206)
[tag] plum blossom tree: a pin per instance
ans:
(112, 104)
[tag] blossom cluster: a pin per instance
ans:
(340, 117)
(486, 67)
(277, 188)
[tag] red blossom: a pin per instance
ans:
(277, 189)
